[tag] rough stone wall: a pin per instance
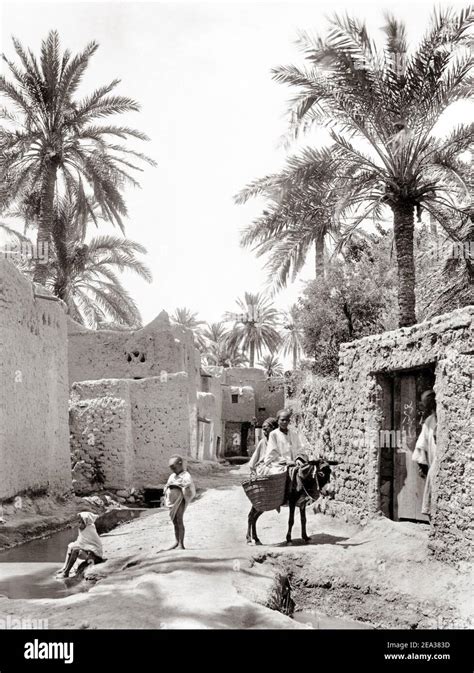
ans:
(123, 431)
(101, 435)
(313, 410)
(453, 520)
(348, 423)
(34, 444)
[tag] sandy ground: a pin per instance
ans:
(379, 574)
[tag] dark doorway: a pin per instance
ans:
(401, 486)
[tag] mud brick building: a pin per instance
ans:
(34, 436)
(137, 397)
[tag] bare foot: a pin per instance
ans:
(174, 546)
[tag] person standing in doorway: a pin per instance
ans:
(425, 448)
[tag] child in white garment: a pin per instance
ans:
(87, 546)
(179, 492)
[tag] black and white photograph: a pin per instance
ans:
(236, 329)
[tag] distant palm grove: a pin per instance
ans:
(380, 204)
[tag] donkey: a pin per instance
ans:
(304, 483)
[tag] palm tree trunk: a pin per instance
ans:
(404, 229)
(350, 324)
(319, 257)
(45, 223)
(252, 354)
(295, 357)
(62, 261)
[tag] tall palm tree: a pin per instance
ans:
(381, 108)
(254, 326)
(297, 217)
(292, 335)
(189, 319)
(272, 366)
(50, 138)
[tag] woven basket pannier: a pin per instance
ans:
(266, 493)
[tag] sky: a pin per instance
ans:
(215, 117)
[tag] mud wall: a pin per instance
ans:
(238, 404)
(34, 438)
(124, 431)
(269, 398)
(157, 350)
(209, 426)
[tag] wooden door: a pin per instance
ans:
(408, 486)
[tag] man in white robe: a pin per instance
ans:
(284, 445)
(425, 449)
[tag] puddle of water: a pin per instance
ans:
(47, 549)
(27, 571)
(317, 620)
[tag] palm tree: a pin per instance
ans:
(273, 368)
(292, 335)
(85, 276)
(297, 217)
(217, 351)
(189, 319)
(255, 326)
(381, 107)
(51, 139)
(215, 332)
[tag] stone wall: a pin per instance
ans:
(345, 417)
(313, 408)
(34, 444)
(453, 519)
(101, 435)
(123, 431)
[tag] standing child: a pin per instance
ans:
(179, 492)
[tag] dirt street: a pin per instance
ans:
(221, 582)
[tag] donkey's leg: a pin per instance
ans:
(291, 519)
(304, 534)
(251, 515)
(254, 527)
